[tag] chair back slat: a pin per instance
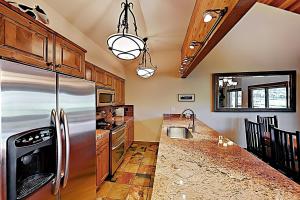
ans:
(255, 143)
(286, 151)
(267, 121)
(292, 152)
(298, 154)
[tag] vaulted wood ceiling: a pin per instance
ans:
(198, 30)
(290, 5)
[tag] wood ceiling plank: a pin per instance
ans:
(198, 29)
(289, 5)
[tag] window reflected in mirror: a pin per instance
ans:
(255, 91)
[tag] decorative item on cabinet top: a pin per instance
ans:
(36, 13)
(124, 45)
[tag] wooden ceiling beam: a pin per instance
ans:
(289, 5)
(197, 29)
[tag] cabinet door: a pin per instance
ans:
(105, 161)
(100, 77)
(118, 91)
(108, 80)
(25, 41)
(89, 71)
(131, 132)
(114, 80)
(69, 59)
(127, 142)
(99, 173)
(102, 163)
(122, 98)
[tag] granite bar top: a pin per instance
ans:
(202, 168)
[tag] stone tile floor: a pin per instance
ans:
(134, 178)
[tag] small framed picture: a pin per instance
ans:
(186, 97)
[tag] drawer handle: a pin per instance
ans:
(58, 65)
(115, 147)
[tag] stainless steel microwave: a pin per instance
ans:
(105, 97)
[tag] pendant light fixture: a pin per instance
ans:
(146, 69)
(124, 45)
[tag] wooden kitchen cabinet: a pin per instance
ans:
(106, 79)
(28, 41)
(120, 91)
(100, 77)
(25, 41)
(129, 133)
(126, 142)
(102, 159)
(109, 80)
(122, 88)
(90, 74)
(69, 58)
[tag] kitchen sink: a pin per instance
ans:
(176, 132)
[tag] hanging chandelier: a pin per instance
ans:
(124, 45)
(146, 69)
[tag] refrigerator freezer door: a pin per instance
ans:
(76, 97)
(28, 96)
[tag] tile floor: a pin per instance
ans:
(134, 178)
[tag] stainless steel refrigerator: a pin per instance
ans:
(31, 98)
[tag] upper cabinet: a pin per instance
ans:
(69, 58)
(100, 77)
(90, 74)
(25, 41)
(28, 41)
(103, 78)
(109, 81)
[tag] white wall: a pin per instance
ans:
(95, 54)
(265, 39)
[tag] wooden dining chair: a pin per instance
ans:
(255, 142)
(267, 121)
(286, 151)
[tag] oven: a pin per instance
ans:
(117, 148)
(105, 97)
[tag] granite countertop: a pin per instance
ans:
(201, 168)
(100, 133)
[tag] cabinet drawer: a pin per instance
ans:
(25, 41)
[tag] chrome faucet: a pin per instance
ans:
(193, 117)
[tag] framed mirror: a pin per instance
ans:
(268, 91)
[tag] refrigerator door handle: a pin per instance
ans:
(64, 122)
(56, 181)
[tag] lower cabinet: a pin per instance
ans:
(102, 159)
(129, 133)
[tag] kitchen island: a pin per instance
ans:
(201, 168)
